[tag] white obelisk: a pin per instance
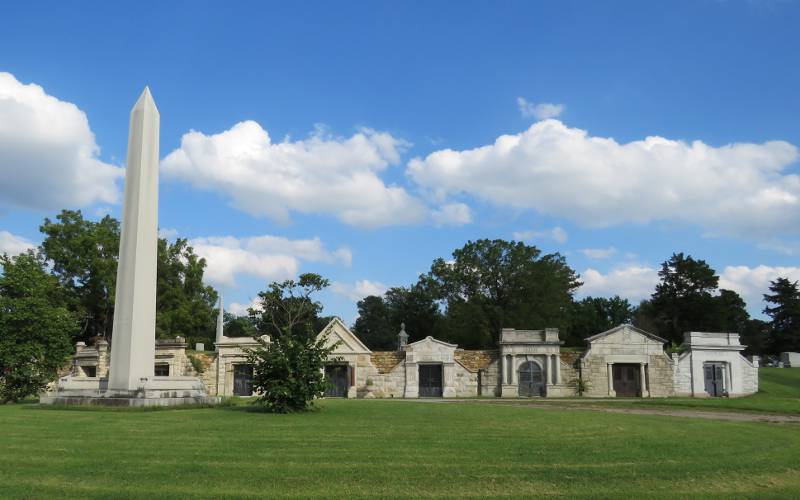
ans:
(220, 321)
(133, 336)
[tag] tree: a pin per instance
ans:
(184, 304)
(83, 255)
(35, 327)
(238, 326)
(683, 299)
(497, 284)
(288, 371)
(373, 325)
(784, 312)
(594, 315)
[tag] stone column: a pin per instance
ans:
(558, 368)
(643, 377)
(611, 379)
(548, 370)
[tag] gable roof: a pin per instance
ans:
(349, 341)
(606, 333)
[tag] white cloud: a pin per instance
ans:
(739, 189)
(12, 244)
(241, 309)
(271, 258)
(167, 233)
(453, 214)
(540, 111)
(753, 282)
(599, 253)
(632, 282)
(48, 155)
(319, 175)
(359, 289)
(557, 234)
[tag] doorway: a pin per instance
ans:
(430, 381)
(715, 379)
(627, 380)
(531, 380)
(337, 381)
(243, 380)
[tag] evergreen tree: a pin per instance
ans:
(784, 312)
(594, 315)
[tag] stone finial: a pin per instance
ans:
(402, 337)
(79, 346)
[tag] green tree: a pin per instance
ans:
(287, 372)
(184, 304)
(35, 327)
(373, 325)
(499, 284)
(238, 326)
(84, 255)
(683, 300)
(784, 311)
(594, 315)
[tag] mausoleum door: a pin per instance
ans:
(531, 380)
(243, 380)
(627, 380)
(430, 381)
(337, 376)
(714, 378)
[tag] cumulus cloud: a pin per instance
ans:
(557, 234)
(320, 175)
(540, 111)
(737, 189)
(599, 253)
(753, 282)
(48, 155)
(271, 258)
(632, 282)
(452, 214)
(358, 290)
(12, 244)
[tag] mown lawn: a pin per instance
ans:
(390, 448)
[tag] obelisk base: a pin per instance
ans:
(154, 391)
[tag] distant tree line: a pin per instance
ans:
(492, 284)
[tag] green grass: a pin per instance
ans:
(390, 448)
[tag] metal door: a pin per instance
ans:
(243, 380)
(714, 378)
(430, 381)
(338, 381)
(627, 382)
(531, 380)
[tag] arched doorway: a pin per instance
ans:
(531, 380)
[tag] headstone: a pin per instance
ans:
(199, 347)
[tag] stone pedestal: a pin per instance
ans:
(152, 391)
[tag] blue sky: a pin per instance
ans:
(362, 140)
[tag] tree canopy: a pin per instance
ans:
(84, 255)
(35, 327)
(784, 311)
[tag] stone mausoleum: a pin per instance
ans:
(622, 362)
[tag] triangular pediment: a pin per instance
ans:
(623, 328)
(349, 343)
(430, 341)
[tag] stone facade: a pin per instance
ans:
(633, 349)
(712, 365)
(624, 361)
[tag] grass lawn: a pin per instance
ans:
(390, 448)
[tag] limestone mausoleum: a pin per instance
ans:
(622, 362)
